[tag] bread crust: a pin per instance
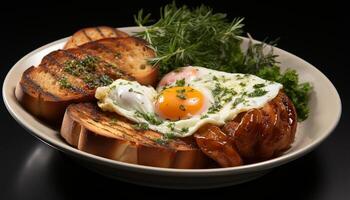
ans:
(86, 35)
(39, 91)
(84, 126)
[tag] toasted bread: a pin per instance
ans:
(72, 75)
(111, 136)
(92, 34)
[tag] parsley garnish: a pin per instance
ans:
(184, 129)
(209, 39)
(165, 138)
(171, 125)
(180, 82)
(150, 117)
(237, 101)
(204, 116)
(141, 126)
(260, 85)
(64, 83)
(257, 93)
(181, 94)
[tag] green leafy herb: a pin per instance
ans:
(237, 101)
(161, 141)
(105, 80)
(200, 37)
(141, 126)
(181, 94)
(256, 86)
(171, 125)
(78, 67)
(150, 117)
(214, 108)
(85, 69)
(184, 129)
(297, 92)
(180, 82)
(204, 116)
(165, 138)
(257, 93)
(64, 83)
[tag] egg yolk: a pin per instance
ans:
(179, 103)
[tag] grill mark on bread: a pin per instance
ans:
(30, 83)
(104, 47)
(130, 133)
(52, 60)
(121, 124)
(86, 35)
(117, 73)
(53, 79)
(70, 55)
(100, 32)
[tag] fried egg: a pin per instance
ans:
(186, 99)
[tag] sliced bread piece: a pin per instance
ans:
(109, 135)
(72, 75)
(86, 35)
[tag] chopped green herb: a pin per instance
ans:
(78, 67)
(105, 80)
(161, 141)
(214, 108)
(180, 82)
(204, 116)
(257, 93)
(260, 85)
(242, 84)
(169, 136)
(181, 94)
(237, 101)
(165, 139)
(141, 126)
(184, 129)
(171, 125)
(64, 83)
(86, 68)
(150, 117)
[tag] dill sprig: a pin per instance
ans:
(200, 37)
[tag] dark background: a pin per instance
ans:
(317, 33)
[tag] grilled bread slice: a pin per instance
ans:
(72, 75)
(92, 34)
(111, 136)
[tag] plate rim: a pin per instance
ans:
(66, 148)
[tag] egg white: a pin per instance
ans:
(129, 99)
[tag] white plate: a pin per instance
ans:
(325, 108)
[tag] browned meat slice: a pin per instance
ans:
(256, 135)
